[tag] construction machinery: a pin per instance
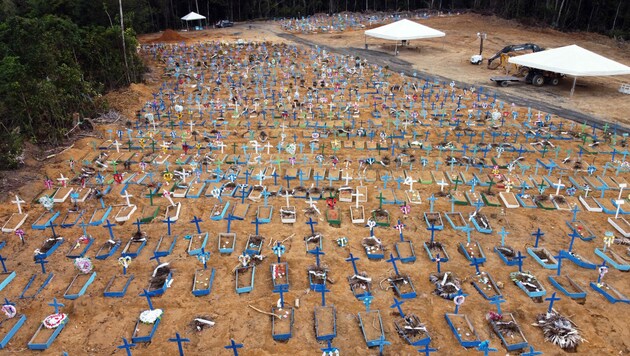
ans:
(504, 53)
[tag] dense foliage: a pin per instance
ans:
(50, 68)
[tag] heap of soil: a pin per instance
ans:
(170, 36)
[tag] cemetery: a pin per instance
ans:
(277, 195)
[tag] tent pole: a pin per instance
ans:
(396, 49)
(573, 87)
(365, 36)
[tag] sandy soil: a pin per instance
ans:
(97, 324)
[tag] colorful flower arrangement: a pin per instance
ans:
(150, 316)
(53, 321)
(84, 265)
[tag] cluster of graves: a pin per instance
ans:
(263, 133)
(346, 21)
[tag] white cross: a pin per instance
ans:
(267, 146)
(184, 174)
(117, 144)
(356, 196)
(287, 195)
(221, 145)
(127, 196)
(558, 186)
(63, 180)
(587, 189)
(621, 188)
(442, 184)
(347, 177)
(164, 145)
(618, 202)
(167, 195)
(191, 126)
(409, 181)
(256, 146)
(18, 202)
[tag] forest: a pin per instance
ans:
(59, 56)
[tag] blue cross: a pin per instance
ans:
(381, 344)
(4, 267)
(478, 204)
(42, 262)
(329, 349)
(459, 293)
(52, 229)
(573, 235)
(427, 350)
(367, 301)
(196, 221)
(432, 200)
(503, 233)
(156, 257)
(538, 235)
(575, 210)
(126, 346)
(559, 258)
(385, 179)
(438, 260)
(169, 222)
(398, 305)
(467, 229)
(109, 226)
(551, 300)
(233, 346)
(203, 256)
(353, 260)
(146, 294)
(257, 223)
(393, 260)
(475, 262)
(243, 195)
(485, 348)
(324, 291)
(179, 340)
(433, 229)
(317, 252)
(56, 305)
(275, 180)
(137, 223)
(519, 261)
(229, 222)
(266, 195)
(281, 292)
(311, 223)
(497, 300)
(317, 178)
(531, 352)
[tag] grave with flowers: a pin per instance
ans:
(528, 282)
(203, 279)
(372, 245)
(360, 283)
(607, 290)
(245, 274)
(11, 324)
(401, 283)
(49, 328)
(282, 320)
(612, 254)
(410, 327)
(136, 243)
(161, 278)
(506, 327)
(82, 280)
(147, 322)
(279, 270)
(119, 283)
(404, 248)
(82, 244)
(50, 245)
(460, 324)
(48, 216)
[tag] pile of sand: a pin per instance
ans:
(170, 36)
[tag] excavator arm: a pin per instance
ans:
(515, 48)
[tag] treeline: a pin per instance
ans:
(52, 66)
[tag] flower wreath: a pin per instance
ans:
(150, 316)
(84, 265)
(53, 321)
(9, 310)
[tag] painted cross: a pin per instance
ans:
(179, 340)
(438, 261)
(460, 298)
(18, 202)
(432, 200)
(4, 267)
(195, 221)
(169, 222)
(485, 348)
(400, 228)
(519, 261)
(278, 250)
(156, 257)
(311, 223)
(467, 229)
(573, 235)
(531, 352)
(257, 223)
(503, 234)
(324, 291)
(367, 301)
(52, 229)
(229, 222)
(559, 258)
(551, 300)
(56, 305)
(109, 226)
(538, 235)
(126, 346)
(398, 305)
(393, 260)
(475, 262)
(317, 252)
(353, 260)
(497, 300)
(427, 350)
(42, 262)
(147, 295)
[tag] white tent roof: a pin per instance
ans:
(193, 16)
(404, 30)
(572, 60)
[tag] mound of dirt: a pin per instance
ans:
(170, 36)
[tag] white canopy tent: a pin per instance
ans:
(193, 16)
(572, 60)
(403, 30)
